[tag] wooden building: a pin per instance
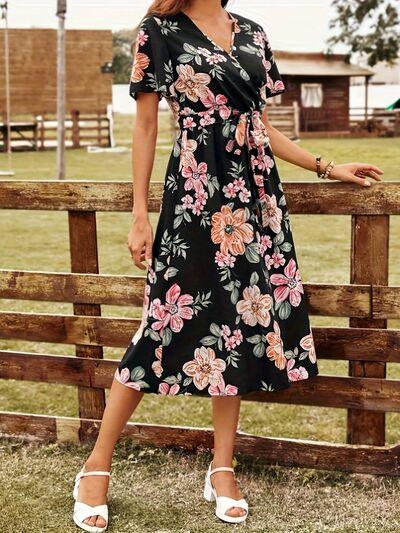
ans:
(320, 84)
(33, 71)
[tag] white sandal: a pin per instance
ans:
(223, 502)
(82, 511)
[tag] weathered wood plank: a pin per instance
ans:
(385, 302)
(275, 451)
(331, 343)
(357, 393)
(322, 299)
(74, 288)
(68, 329)
(302, 198)
(369, 264)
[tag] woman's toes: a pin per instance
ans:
(100, 522)
(91, 521)
(235, 511)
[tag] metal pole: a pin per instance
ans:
(61, 78)
(4, 15)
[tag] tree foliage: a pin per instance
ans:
(370, 28)
(122, 54)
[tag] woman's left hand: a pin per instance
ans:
(356, 172)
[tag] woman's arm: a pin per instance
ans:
(290, 151)
(144, 137)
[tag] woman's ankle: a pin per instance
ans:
(98, 461)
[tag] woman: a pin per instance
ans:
(224, 311)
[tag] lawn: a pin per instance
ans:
(296, 498)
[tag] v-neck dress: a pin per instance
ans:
(224, 310)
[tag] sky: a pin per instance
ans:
(298, 25)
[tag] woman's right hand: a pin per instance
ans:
(140, 241)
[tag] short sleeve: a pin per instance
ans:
(150, 62)
(274, 83)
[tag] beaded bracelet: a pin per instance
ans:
(318, 161)
(327, 171)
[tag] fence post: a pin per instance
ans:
(76, 141)
(84, 259)
(369, 265)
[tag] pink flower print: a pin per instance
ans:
(259, 180)
(259, 132)
(216, 103)
(307, 343)
(229, 190)
(244, 196)
(188, 146)
(226, 331)
(156, 366)
(140, 64)
(187, 201)
(295, 374)
(145, 305)
(234, 340)
(187, 111)
(268, 261)
(166, 389)
(229, 145)
(214, 59)
(224, 259)
(265, 242)
(258, 38)
(255, 307)
(196, 176)
(204, 51)
(174, 311)
(206, 119)
(123, 377)
(275, 350)
(142, 38)
(205, 368)
(289, 285)
(220, 389)
(177, 307)
(192, 84)
(274, 86)
(278, 260)
(273, 213)
(230, 229)
(201, 198)
(189, 123)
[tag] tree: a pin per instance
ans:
(370, 28)
(122, 50)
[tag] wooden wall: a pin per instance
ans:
(335, 94)
(33, 69)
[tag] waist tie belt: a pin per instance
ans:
(249, 130)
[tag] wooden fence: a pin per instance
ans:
(378, 121)
(366, 344)
(81, 129)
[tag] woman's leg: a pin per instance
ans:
(225, 418)
(121, 403)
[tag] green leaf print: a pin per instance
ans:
(284, 310)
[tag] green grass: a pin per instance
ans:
(284, 499)
(161, 491)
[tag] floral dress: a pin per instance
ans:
(224, 310)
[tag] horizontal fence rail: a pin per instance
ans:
(366, 344)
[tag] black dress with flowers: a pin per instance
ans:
(224, 310)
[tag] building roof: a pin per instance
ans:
(317, 64)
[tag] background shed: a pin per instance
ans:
(320, 84)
